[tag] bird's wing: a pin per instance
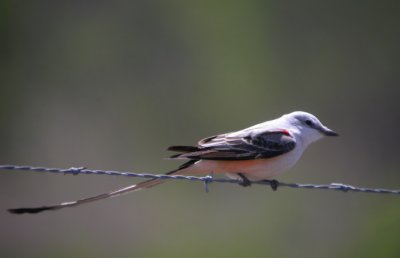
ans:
(246, 146)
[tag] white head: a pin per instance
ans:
(307, 127)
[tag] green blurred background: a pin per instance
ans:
(110, 84)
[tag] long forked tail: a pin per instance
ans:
(146, 184)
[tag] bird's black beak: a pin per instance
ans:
(328, 132)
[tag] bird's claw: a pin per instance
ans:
(244, 180)
(273, 183)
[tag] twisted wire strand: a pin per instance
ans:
(205, 179)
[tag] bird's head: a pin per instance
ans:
(308, 126)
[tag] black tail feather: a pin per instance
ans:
(183, 148)
(31, 210)
(34, 210)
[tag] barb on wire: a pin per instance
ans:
(205, 179)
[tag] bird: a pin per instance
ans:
(260, 152)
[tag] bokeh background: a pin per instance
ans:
(111, 84)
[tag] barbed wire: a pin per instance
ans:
(205, 179)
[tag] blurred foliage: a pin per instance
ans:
(110, 84)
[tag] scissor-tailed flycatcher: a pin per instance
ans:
(262, 151)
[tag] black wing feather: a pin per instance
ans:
(264, 145)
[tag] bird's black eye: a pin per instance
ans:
(309, 122)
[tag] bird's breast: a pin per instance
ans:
(255, 169)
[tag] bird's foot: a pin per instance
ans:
(273, 183)
(244, 180)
